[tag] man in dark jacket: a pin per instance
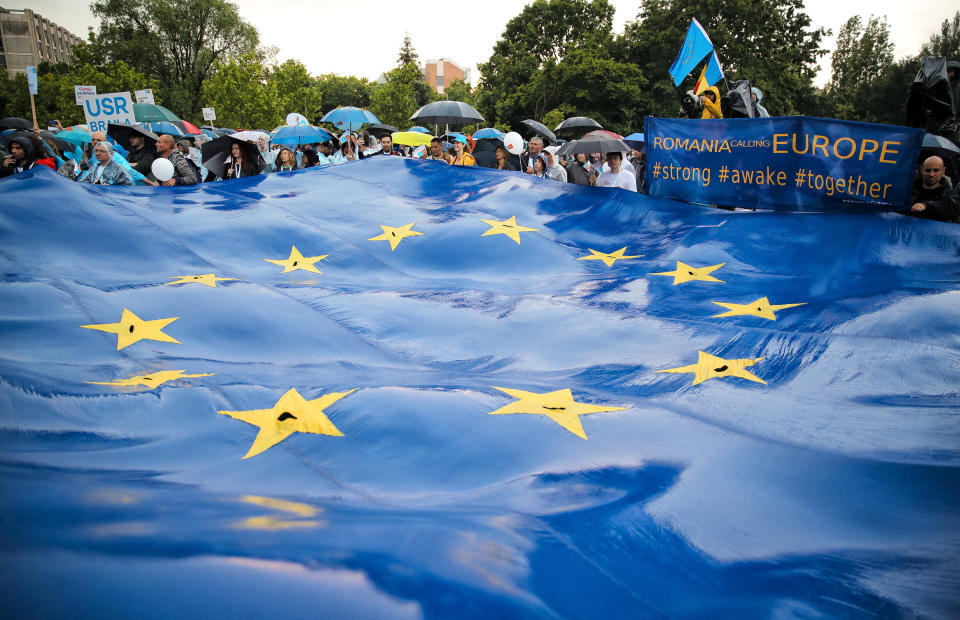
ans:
(142, 153)
(934, 198)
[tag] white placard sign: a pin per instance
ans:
(101, 110)
(144, 96)
(209, 114)
(82, 92)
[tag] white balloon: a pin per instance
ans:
(514, 142)
(162, 168)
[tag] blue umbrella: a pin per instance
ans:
(940, 145)
(77, 137)
(635, 140)
(419, 129)
(165, 127)
(348, 117)
(300, 134)
(488, 132)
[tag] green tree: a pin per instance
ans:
(396, 100)
(407, 53)
(243, 95)
(770, 43)
(459, 91)
(341, 91)
(946, 43)
(179, 42)
(864, 52)
(538, 47)
(297, 90)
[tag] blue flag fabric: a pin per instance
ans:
(713, 73)
(695, 48)
(554, 401)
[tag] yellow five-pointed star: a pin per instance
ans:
(509, 228)
(208, 278)
(153, 379)
(395, 235)
(132, 328)
(292, 414)
(685, 273)
(559, 406)
(761, 308)
(710, 367)
(609, 259)
(298, 261)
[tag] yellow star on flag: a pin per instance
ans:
(208, 278)
(686, 273)
(132, 328)
(292, 414)
(509, 228)
(559, 406)
(298, 261)
(396, 235)
(710, 367)
(761, 308)
(153, 379)
(609, 259)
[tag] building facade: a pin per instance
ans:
(27, 39)
(442, 73)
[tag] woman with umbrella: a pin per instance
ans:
(462, 157)
(107, 171)
(238, 164)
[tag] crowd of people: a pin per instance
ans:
(105, 161)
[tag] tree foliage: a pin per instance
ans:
(945, 43)
(556, 53)
(297, 90)
(340, 91)
(770, 43)
(396, 100)
(407, 53)
(179, 42)
(864, 53)
(243, 94)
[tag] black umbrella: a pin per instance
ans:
(379, 130)
(540, 129)
(594, 144)
(13, 122)
(213, 154)
(447, 113)
(578, 124)
(122, 132)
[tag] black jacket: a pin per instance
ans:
(142, 159)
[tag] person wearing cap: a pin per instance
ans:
(142, 153)
(25, 153)
(462, 156)
(106, 171)
(554, 170)
(617, 176)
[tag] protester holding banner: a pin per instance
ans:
(462, 157)
(106, 171)
(617, 176)
(141, 153)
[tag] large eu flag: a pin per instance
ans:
(397, 389)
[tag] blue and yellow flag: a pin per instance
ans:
(695, 48)
(397, 389)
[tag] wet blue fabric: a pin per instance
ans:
(788, 163)
(830, 490)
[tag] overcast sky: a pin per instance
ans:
(363, 37)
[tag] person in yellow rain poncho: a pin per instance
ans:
(710, 100)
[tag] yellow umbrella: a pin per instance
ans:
(411, 138)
